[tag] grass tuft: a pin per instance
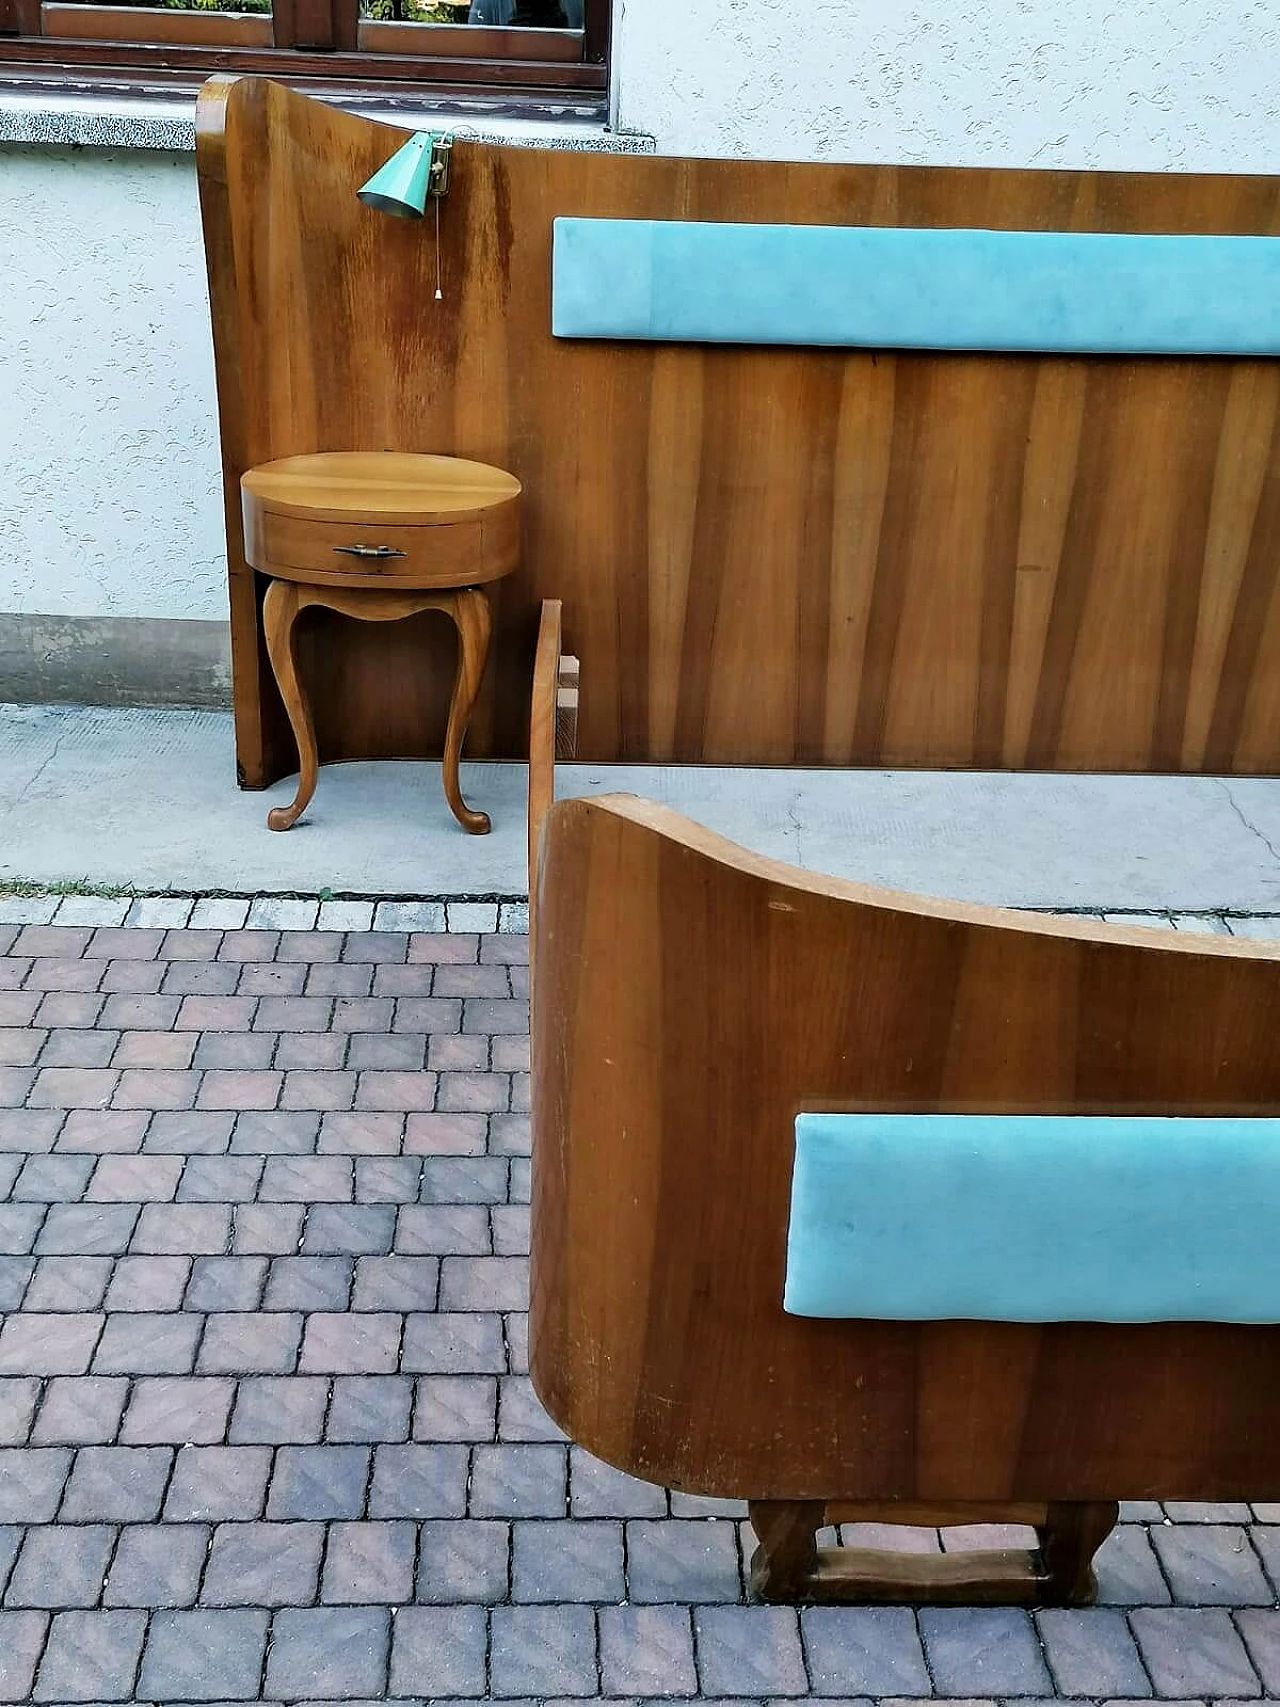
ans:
(65, 886)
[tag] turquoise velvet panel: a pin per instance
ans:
(1011, 1218)
(889, 287)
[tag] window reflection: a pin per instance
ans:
(537, 14)
(504, 14)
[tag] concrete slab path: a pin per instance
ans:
(148, 798)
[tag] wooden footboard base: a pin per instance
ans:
(789, 1565)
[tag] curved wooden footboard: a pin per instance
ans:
(692, 999)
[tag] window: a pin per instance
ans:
(495, 55)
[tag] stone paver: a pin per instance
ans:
(204, 1656)
(439, 1650)
(329, 1652)
(1211, 1563)
(983, 1651)
(466, 1561)
(157, 1565)
(1192, 1651)
(61, 1566)
(866, 1650)
(565, 1561)
(543, 1651)
(263, 1564)
(22, 1638)
(266, 1428)
(646, 1650)
(749, 1650)
(90, 1656)
(1092, 1652)
(370, 1562)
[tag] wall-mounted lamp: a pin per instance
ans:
(417, 172)
(414, 172)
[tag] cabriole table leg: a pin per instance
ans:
(470, 611)
(280, 610)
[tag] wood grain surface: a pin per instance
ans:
(543, 739)
(387, 486)
(690, 999)
(764, 556)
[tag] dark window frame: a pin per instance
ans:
(320, 45)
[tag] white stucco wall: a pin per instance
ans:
(1184, 85)
(111, 501)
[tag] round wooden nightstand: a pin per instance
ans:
(379, 535)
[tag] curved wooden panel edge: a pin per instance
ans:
(211, 118)
(253, 699)
(692, 997)
(676, 827)
(542, 739)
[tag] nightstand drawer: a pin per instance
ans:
(376, 553)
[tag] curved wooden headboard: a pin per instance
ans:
(767, 556)
(690, 1000)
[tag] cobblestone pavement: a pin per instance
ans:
(265, 1426)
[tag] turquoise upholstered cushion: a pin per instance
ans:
(935, 289)
(1017, 1218)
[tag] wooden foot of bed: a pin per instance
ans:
(789, 1565)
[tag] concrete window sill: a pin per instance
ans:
(127, 120)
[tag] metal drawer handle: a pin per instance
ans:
(369, 550)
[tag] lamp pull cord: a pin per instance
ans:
(439, 292)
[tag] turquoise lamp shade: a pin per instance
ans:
(401, 186)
